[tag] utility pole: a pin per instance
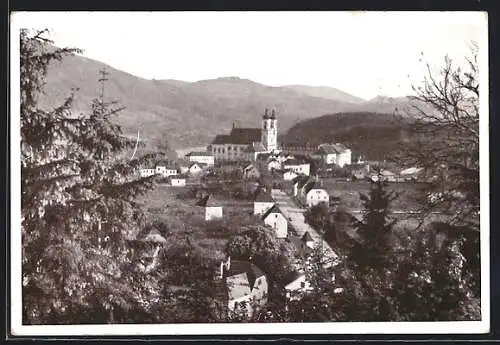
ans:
(102, 80)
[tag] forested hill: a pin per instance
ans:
(373, 135)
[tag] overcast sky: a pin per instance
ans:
(364, 54)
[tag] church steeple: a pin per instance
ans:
(269, 130)
(266, 116)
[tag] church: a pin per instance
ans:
(247, 143)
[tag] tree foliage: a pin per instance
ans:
(446, 141)
(77, 200)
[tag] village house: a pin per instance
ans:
(297, 166)
(313, 194)
(276, 220)
(201, 157)
(262, 201)
(247, 286)
(147, 172)
(212, 210)
(384, 175)
(166, 169)
(289, 175)
(297, 287)
(298, 183)
(307, 241)
(195, 169)
(250, 171)
(336, 154)
(298, 148)
(358, 171)
(247, 143)
(178, 181)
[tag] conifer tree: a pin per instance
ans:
(375, 229)
(78, 207)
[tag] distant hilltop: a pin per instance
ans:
(192, 113)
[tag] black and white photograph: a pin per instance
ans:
(249, 173)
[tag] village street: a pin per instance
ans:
(295, 216)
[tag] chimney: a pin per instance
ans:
(221, 276)
(265, 112)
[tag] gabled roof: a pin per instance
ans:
(193, 164)
(152, 237)
(263, 196)
(274, 209)
(222, 139)
(245, 135)
(332, 148)
(294, 161)
(199, 153)
(301, 180)
(307, 237)
(312, 185)
(241, 278)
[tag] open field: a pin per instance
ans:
(185, 221)
(408, 194)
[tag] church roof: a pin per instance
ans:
(245, 135)
(222, 139)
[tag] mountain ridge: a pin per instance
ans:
(187, 113)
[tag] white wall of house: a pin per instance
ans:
(316, 196)
(178, 182)
(195, 169)
(147, 172)
(296, 287)
(257, 297)
(279, 223)
(213, 212)
(261, 207)
(184, 169)
(344, 158)
(205, 159)
(299, 168)
(289, 175)
(229, 152)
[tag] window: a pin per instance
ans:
(302, 284)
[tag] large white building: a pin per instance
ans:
(201, 157)
(247, 143)
(336, 154)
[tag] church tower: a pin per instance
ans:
(269, 136)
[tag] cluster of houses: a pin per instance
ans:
(247, 285)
